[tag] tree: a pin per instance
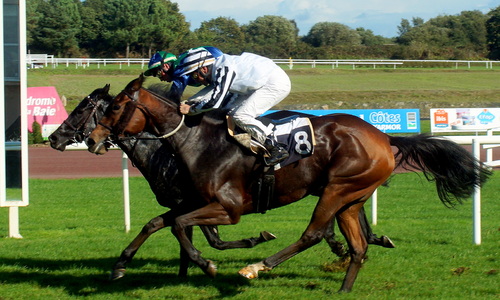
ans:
(57, 29)
(224, 33)
(272, 36)
(33, 16)
(164, 26)
(368, 38)
(90, 37)
(332, 34)
(122, 21)
(404, 27)
(493, 33)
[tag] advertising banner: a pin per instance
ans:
(45, 107)
(464, 119)
(386, 120)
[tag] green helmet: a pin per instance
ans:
(157, 60)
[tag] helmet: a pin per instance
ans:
(157, 60)
(194, 59)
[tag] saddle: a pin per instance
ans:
(294, 133)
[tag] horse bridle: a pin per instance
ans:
(129, 109)
(81, 129)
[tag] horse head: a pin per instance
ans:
(130, 113)
(82, 120)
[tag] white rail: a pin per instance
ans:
(44, 60)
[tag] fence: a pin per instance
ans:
(44, 60)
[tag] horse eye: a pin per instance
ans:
(116, 107)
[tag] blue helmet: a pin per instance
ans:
(157, 60)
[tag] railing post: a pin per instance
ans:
(476, 199)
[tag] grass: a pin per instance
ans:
(73, 233)
(319, 87)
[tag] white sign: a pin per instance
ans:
(464, 119)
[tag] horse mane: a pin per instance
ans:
(164, 92)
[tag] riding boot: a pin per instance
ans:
(277, 153)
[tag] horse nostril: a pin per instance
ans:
(52, 138)
(90, 142)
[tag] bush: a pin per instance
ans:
(35, 137)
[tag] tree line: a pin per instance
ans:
(138, 28)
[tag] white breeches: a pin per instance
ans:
(248, 107)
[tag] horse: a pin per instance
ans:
(155, 163)
(161, 172)
(351, 159)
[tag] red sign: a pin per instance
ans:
(45, 107)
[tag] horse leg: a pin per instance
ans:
(336, 246)
(351, 229)
(339, 249)
(325, 210)
(184, 256)
(372, 238)
(211, 214)
(212, 235)
(126, 256)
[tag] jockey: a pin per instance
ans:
(258, 81)
(163, 65)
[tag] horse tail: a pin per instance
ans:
(454, 169)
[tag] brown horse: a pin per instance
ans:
(350, 160)
(158, 165)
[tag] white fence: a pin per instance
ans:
(44, 60)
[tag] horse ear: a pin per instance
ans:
(106, 88)
(139, 81)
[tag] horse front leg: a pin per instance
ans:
(212, 214)
(126, 256)
(212, 235)
(184, 256)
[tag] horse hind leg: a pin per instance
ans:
(322, 218)
(341, 251)
(351, 229)
(372, 238)
(212, 235)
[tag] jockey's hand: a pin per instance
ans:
(184, 108)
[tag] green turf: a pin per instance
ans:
(73, 233)
(320, 88)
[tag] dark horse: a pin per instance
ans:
(157, 165)
(350, 160)
(159, 168)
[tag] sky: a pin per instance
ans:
(380, 16)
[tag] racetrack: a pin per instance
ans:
(47, 163)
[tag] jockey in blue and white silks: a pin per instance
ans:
(259, 83)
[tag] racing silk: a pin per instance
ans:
(179, 83)
(237, 74)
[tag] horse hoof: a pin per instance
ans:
(252, 271)
(267, 236)
(386, 242)
(211, 269)
(248, 272)
(117, 274)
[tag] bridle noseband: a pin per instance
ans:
(81, 129)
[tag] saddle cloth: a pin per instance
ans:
(294, 133)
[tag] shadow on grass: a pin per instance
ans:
(91, 276)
